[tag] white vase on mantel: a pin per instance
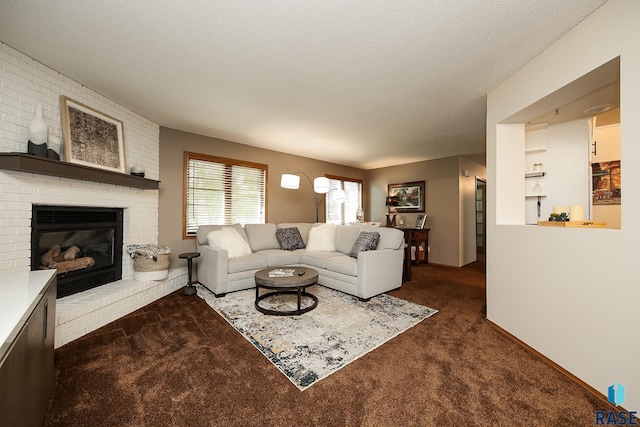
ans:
(54, 148)
(38, 128)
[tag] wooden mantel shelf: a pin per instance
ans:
(28, 163)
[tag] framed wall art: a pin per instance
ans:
(409, 196)
(91, 138)
(606, 189)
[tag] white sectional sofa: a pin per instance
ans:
(368, 274)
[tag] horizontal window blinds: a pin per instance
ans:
(220, 192)
(333, 210)
(343, 213)
(353, 191)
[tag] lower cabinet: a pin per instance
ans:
(26, 374)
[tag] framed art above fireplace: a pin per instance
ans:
(91, 138)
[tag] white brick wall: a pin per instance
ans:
(25, 83)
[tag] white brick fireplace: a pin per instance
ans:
(24, 84)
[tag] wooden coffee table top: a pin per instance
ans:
(309, 278)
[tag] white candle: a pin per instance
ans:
(559, 209)
(576, 213)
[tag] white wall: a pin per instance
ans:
(571, 294)
(25, 83)
(509, 180)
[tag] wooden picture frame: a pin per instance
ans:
(410, 196)
(420, 221)
(91, 138)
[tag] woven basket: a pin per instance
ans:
(146, 264)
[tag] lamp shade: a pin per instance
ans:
(292, 182)
(321, 185)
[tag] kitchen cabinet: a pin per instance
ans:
(26, 356)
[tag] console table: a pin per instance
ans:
(414, 237)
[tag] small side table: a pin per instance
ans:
(413, 237)
(189, 256)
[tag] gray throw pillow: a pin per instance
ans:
(366, 241)
(289, 238)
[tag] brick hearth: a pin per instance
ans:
(81, 313)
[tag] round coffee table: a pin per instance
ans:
(295, 285)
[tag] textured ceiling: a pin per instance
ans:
(359, 83)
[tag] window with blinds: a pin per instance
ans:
(343, 213)
(222, 191)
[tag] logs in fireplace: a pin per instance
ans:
(84, 245)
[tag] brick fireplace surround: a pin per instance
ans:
(25, 83)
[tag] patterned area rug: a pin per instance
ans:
(312, 346)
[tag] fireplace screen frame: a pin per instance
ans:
(48, 219)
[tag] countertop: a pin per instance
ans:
(574, 224)
(20, 293)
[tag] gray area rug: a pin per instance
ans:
(312, 346)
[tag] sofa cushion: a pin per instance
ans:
(247, 262)
(318, 258)
(290, 239)
(262, 236)
(342, 264)
(230, 240)
(277, 257)
(366, 241)
(204, 230)
(303, 227)
(346, 236)
(322, 238)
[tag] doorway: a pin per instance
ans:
(481, 218)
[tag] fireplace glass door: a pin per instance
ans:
(83, 244)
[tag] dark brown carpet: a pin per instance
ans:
(178, 363)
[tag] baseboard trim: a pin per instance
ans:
(559, 368)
